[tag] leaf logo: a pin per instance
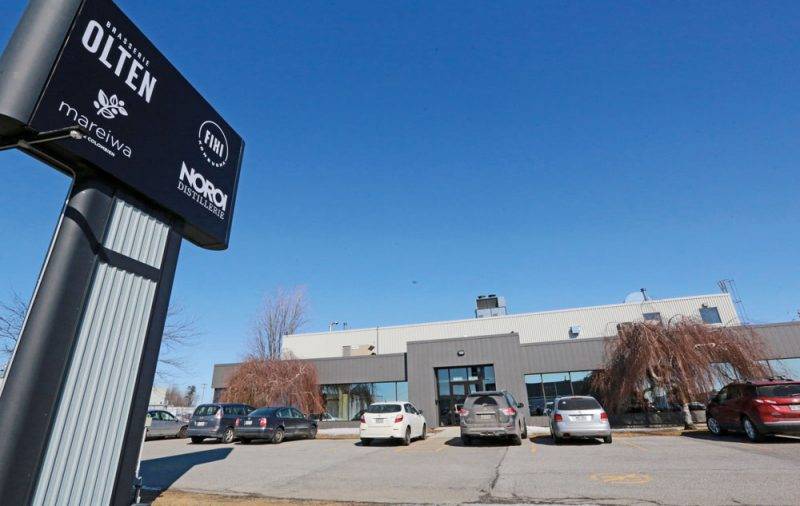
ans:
(109, 107)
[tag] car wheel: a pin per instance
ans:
(714, 426)
(365, 441)
(312, 432)
(277, 438)
(406, 438)
(524, 429)
(182, 433)
(197, 439)
(557, 440)
(244, 441)
(516, 439)
(466, 440)
(607, 439)
(424, 432)
(751, 431)
(227, 436)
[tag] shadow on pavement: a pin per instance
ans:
(548, 441)
(740, 438)
(161, 473)
(487, 442)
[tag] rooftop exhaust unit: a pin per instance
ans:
(490, 305)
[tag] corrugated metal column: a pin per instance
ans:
(93, 335)
(86, 439)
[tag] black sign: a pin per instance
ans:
(145, 124)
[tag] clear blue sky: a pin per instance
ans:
(404, 157)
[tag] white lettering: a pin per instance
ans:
(203, 186)
(93, 36)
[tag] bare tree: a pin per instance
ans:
(12, 316)
(283, 313)
(682, 360)
(264, 382)
(191, 394)
(179, 330)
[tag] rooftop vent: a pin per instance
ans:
(490, 305)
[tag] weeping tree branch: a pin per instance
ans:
(270, 382)
(683, 358)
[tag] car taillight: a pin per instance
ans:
(765, 401)
(558, 418)
(509, 411)
(262, 422)
(463, 412)
(236, 423)
(363, 419)
(398, 419)
(604, 415)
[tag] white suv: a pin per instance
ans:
(392, 420)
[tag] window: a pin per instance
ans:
(284, 413)
(788, 367)
(789, 390)
(167, 416)
(710, 315)
(574, 404)
(384, 408)
(206, 410)
(297, 414)
(263, 412)
(543, 388)
(348, 401)
(652, 317)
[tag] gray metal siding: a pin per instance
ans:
(578, 355)
(83, 453)
(782, 339)
(366, 369)
(424, 356)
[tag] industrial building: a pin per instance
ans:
(535, 356)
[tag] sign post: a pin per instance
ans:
(82, 89)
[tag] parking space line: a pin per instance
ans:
(533, 448)
(634, 445)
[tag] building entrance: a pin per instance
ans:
(454, 383)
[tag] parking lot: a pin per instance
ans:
(690, 469)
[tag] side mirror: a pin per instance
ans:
(420, 411)
(520, 405)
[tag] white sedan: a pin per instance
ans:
(392, 420)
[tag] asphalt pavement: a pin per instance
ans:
(647, 470)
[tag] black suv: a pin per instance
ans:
(492, 414)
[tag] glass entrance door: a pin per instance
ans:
(454, 383)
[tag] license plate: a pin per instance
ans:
(795, 407)
(380, 420)
(581, 418)
(486, 417)
(201, 424)
(248, 422)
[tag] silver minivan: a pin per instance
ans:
(579, 416)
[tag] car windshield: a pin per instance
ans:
(575, 403)
(206, 410)
(383, 408)
(790, 390)
(263, 412)
(484, 400)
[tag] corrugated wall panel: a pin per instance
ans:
(83, 452)
(136, 234)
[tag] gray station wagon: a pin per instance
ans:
(216, 421)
